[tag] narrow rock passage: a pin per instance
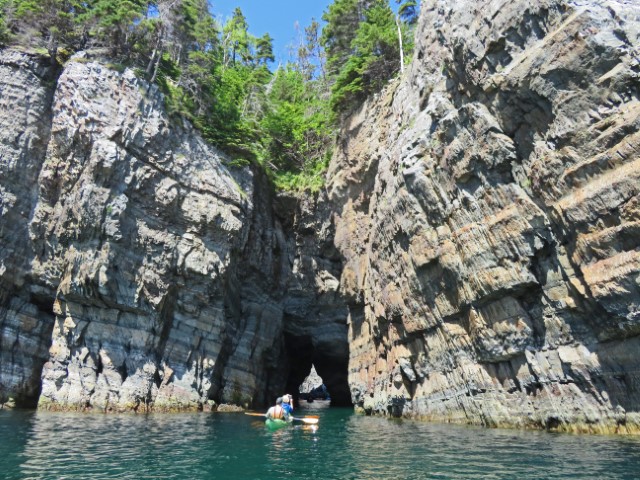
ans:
(330, 363)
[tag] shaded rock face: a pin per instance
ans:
(315, 312)
(26, 316)
(488, 219)
(137, 271)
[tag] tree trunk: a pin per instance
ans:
(157, 65)
(400, 44)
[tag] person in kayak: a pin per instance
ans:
(277, 412)
(287, 403)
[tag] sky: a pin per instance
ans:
(278, 17)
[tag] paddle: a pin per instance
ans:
(307, 420)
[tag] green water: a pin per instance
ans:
(39, 445)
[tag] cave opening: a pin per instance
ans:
(329, 360)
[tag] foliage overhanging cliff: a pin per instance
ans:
(217, 74)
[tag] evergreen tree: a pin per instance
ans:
(114, 22)
(217, 77)
(236, 41)
(405, 21)
(373, 54)
(50, 24)
(203, 58)
(5, 12)
(342, 21)
(408, 11)
(264, 49)
(297, 126)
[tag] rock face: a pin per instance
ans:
(312, 381)
(488, 218)
(26, 319)
(137, 271)
(315, 312)
(479, 234)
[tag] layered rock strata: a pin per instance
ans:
(479, 233)
(138, 272)
(488, 218)
(315, 312)
(26, 317)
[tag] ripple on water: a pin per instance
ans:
(345, 446)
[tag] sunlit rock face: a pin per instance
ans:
(138, 272)
(136, 225)
(123, 239)
(488, 215)
(474, 257)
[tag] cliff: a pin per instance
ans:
(138, 271)
(473, 259)
(488, 218)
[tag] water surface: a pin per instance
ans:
(42, 445)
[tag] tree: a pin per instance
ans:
(313, 45)
(203, 58)
(5, 8)
(237, 40)
(371, 57)
(310, 55)
(179, 28)
(407, 15)
(114, 22)
(408, 11)
(342, 21)
(51, 23)
(264, 49)
(218, 78)
(297, 126)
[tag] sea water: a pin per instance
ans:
(42, 445)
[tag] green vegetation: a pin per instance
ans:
(219, 76)
(366, 44)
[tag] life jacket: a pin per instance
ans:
(277, 412)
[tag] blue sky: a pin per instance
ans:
(278, 17)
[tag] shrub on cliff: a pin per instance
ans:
(4, 31)
(365, 44)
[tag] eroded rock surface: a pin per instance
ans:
(315, 312)
(138, 272)
(479, 232)
(488, 218)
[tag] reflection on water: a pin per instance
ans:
(345, 446)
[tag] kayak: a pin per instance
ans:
(276, 423)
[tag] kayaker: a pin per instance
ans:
(287, 403)
(277, 412)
